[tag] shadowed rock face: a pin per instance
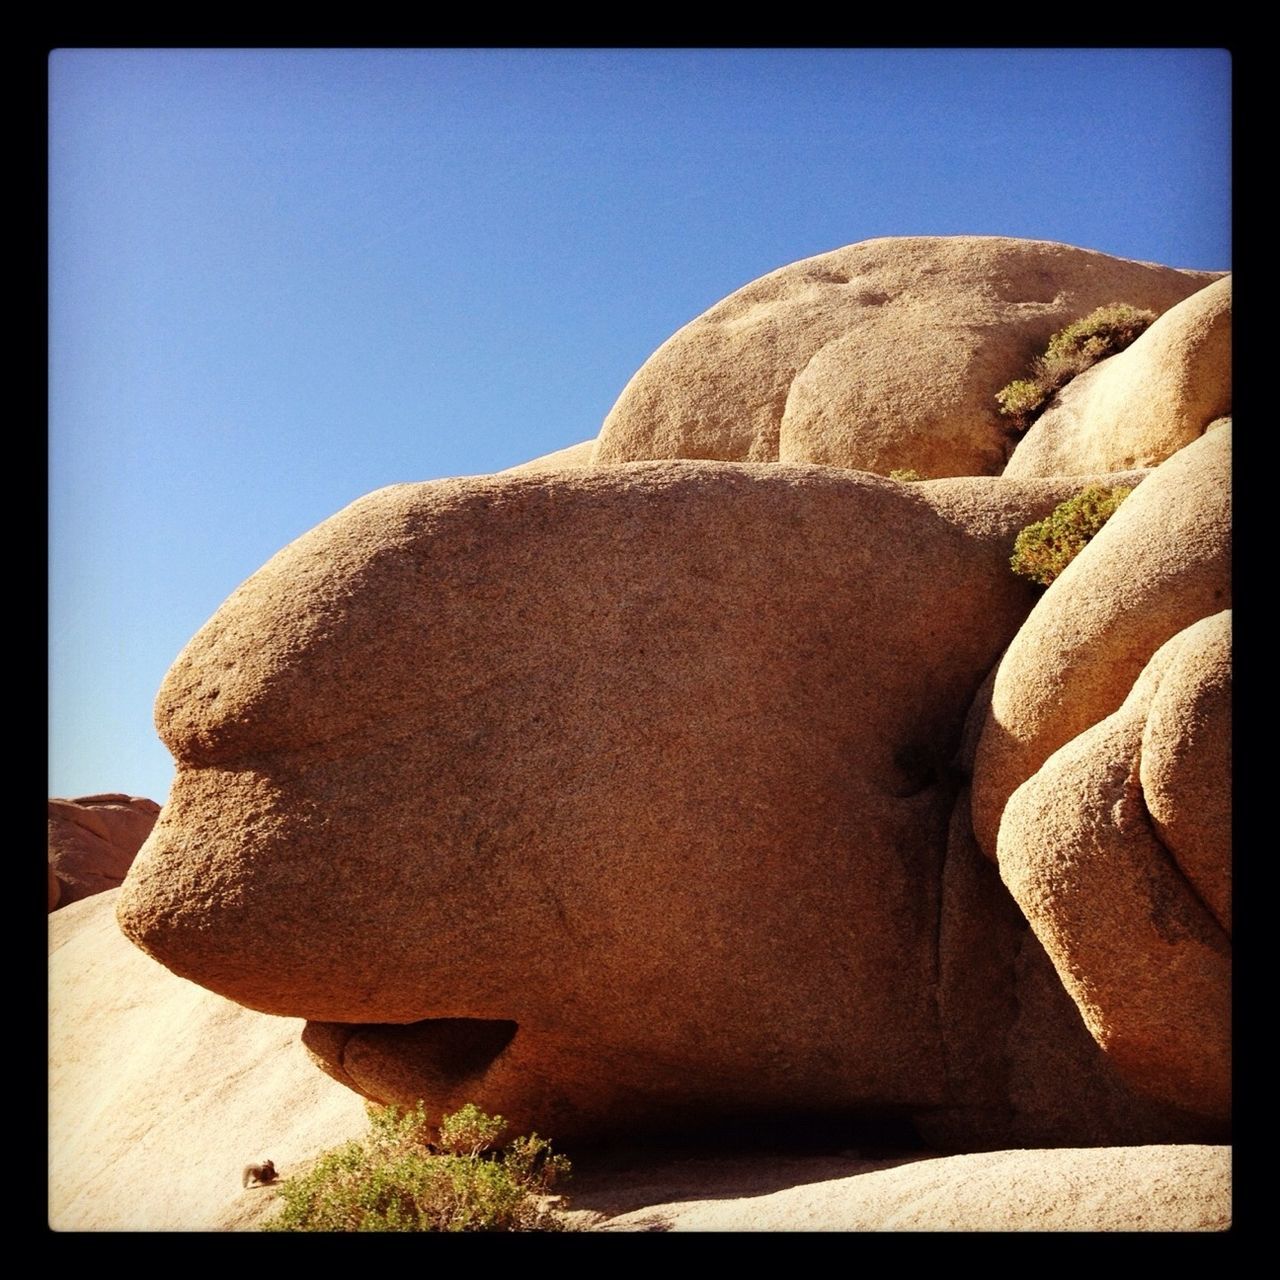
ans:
(1134, 912)
(596, 797)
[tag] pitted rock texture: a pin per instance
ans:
(1141, 406)
(93, 841)
(1120, 915)
(881, 355)
(1162, 562)
(601, 797)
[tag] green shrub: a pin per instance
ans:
(395, 1180)
(1100, 334)
(1071, 351)
(905, 474)
(1044, 549)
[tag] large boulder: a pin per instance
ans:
(1185, 763)
(93, 841)
(881, 355)
(1139, 407)
(1131, 924)
(603, 798)
(1162, 562)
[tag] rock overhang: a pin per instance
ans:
(468, 728)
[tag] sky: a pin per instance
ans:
(281, 279)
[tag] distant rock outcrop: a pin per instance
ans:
(630, 794)
(92, 843)
(882, 355)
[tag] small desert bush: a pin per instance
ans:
(1044, 549)
(1071, 351)
(905, 474)
(397, 1180)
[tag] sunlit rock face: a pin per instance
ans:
(1141, 406)
(882, 355)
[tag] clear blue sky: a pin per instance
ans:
(279, 279)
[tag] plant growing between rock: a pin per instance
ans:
(1071, 351)
(397, 1180)
(905, 474)
(1042, 550)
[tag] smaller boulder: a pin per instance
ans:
(93, 841)
(1141, 406)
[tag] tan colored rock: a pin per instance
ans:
(1161, 563)
(1141, 406)
(881, 355)
(1164, 1188)
(1012, 1039)
(568, 775)
(1145, 961)
(93, 841)
(160, 1092)
(150, 1073)
(576, 455)
(1186, 762)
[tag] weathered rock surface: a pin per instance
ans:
(547, 790)
(1168, 1188)
(1141, 406)
(93, 841)
(1185, 767)
(880, 355)
(160, 1092)
(1145, 960)
(1161, 563)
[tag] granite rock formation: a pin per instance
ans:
(148, 1072)
(630, 794)
(1127, 913)
(1162, 562)
(1141, 406)
(882, 355)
